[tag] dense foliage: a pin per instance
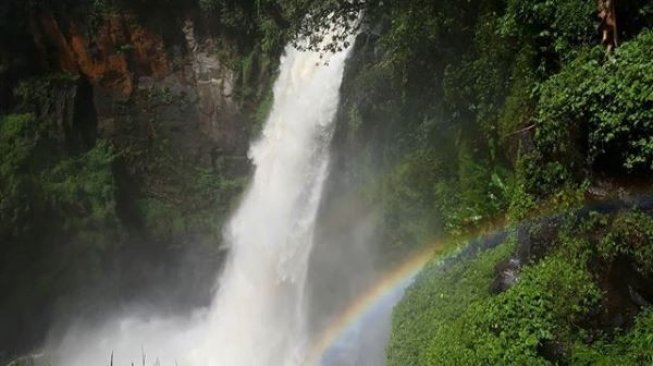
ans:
(608, 96)
(499, 105)
(57, 218)
(455, 114)
(439, 295)
(461, 114)
(551, 315)
(90, 219)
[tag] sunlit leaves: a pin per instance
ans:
(610, 100)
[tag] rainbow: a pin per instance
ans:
(402, 276)
(398, 278)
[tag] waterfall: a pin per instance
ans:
(258, 316)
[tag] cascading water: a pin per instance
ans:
(257, 317)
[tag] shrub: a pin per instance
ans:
(408, 200)
(511, 328)
(39, 181)
(436, 300)
(82, 189)
(556, 25)
(599, 110)
(630, 235)
(478, 193)
(17, 143)
(628, 349)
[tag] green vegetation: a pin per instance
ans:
(91, 218)
(630, 235)
(461, 114)
(58, 221)
(502, 107)
(551, 315)
(455, 115)
(632, 348)
(440, 295)
(75, 208)
(608, 96)
(78, 190)
(509, 329)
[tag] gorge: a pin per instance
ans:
(272, 182)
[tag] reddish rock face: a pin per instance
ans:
(119, 51)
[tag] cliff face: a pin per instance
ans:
(126, 62)
(170, 104)
(112, 58)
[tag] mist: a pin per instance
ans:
(300, 248)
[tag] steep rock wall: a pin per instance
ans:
(169, 107)
(125, 61)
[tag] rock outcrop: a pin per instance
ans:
(185, 88)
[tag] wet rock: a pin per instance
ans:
(219, 116)
(535, 239)
(625, 291)
(637, 298)
(506, 275)
(119, 51)
(552, 351)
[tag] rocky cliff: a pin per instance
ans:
(177, 100)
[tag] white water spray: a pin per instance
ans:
(258, 316)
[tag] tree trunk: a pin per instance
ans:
(608, 26)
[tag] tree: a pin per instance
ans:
(608, 26)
